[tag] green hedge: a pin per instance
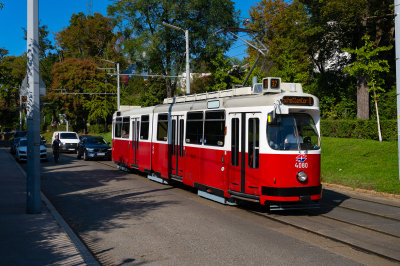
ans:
(96, 129)
(359, 129)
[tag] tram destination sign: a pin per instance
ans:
(297, 100)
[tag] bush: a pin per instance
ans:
(359, 129)
(96, 129)
(109, 127)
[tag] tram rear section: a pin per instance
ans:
(258, 144)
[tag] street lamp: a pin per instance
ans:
(187, 54)
(118, 99)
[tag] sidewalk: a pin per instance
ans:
(33, 239)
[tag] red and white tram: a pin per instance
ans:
(257, 143)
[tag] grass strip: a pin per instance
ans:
(361, 163)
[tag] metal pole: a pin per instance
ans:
(20, 109)
(118, 97)
(187, 63)
(397, 40)
(33, 203)
(251, 70)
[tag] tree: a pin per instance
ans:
(81, 76)
(336, 24)
(160, 49)
(90, 37)
(369, 67)
(12, 73)
(277, 23)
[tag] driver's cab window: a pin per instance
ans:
(293, 132)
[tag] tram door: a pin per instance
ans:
(176, 150)
(135, 142)
(244, 149)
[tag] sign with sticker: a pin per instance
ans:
(300, 161)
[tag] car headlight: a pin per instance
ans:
(109, 149)
(88, 149)
(302, 176)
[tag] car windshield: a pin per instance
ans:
(96, 141)
(293, 132)
(68, 136)
(21, 134)
(23, 142)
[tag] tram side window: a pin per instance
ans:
(214, 128)
(125, 127)
(144, 127)
(194, 127)
(254, 142)
(118, 127)
(235, 142)
(162, 127)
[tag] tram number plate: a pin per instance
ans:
(301, 165)
(101, 153)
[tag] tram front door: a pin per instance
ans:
(244, 152)
(176, 150)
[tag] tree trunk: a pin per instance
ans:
(362, 98)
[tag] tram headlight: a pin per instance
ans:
(302, 176)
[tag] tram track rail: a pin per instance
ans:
(355, 247)
(363, 212)
(352, 224)
(360, 199)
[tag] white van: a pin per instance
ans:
(69, 140)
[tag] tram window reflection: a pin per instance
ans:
(293, 132)
(162, 127)
(125, 127)
(144, 127)
(214, 128)
(118, 127)
(254, 142)
(194, 128)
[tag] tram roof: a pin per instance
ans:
(251, 100)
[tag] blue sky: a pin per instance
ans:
(56, 15)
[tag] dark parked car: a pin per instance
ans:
(20, 134)
(14, 144)
(93, 148)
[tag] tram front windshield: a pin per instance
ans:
(293, 132)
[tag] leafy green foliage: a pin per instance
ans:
(163, 47)
(367, 64)
(153, 94)
(81, 76)
(90, 37)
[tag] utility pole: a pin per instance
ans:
(33, 202)
(187, 54)
(20, 109)
(118, 98)
(397, 45)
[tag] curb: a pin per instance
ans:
(85, 253)
(370, 192)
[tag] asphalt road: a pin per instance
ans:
(126, 219)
